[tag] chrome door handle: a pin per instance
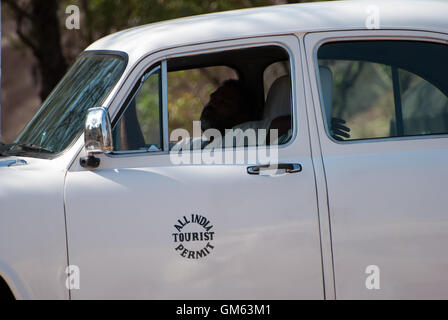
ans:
(288, 167)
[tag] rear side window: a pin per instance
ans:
(380, 89)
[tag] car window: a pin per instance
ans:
(215, 100)
(380, 89)
(236, 111)
(140, 125)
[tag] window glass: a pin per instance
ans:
(215, 100)
(425, 107)
(189, 91)
(378, 89)
(235, 98)
(363, 97)
(140, 125)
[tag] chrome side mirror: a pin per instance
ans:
(97, 136)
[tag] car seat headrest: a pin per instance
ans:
(278, 101)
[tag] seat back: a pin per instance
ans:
(278, 101)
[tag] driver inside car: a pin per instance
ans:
(229, 108)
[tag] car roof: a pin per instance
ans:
(422, 15)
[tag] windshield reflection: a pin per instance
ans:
(62, 115)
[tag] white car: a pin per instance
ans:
(104, 194)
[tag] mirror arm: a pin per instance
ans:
(89, 162)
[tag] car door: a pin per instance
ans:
(387, 182)
(143, 226)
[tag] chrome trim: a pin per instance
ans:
(97, 131)
(165, 107)
(287, 167)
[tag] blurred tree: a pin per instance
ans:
(40, 29)
(102, 17)
(37, 26)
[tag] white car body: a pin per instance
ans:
(304, 236)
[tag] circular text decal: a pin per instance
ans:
(194, 237)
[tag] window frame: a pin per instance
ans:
(210, 48)
(135, 91)
(315, 40)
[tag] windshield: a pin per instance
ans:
(61, 117)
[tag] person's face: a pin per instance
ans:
(225, 102)
(222, 111)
